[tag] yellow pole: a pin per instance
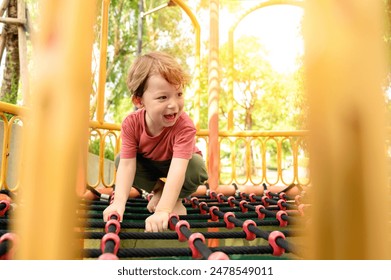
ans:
(4, 152)
(346, 67)
(213, 101)
(13, 109)
(197, 30)
(231, 69)
(55, 131)
(100, 107)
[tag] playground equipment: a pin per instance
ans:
(345, 65)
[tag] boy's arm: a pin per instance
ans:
(123, 183)
(170, 195)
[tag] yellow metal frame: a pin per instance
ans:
(347, 151)
(343, 152)
(104, 129)
(55, 131)
(102, 62)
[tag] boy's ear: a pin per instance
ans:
(137, 101)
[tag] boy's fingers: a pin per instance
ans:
(147, 227)
(165, 225)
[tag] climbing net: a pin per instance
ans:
(216, 227)
(266, 226)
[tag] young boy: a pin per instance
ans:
(158, 141)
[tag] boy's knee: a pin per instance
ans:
(196, 172)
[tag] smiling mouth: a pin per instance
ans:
(170, 117)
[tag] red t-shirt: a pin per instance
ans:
(176, 141)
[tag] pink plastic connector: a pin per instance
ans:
(229, 224)
(273, 236)
(181, 236)
(5, 209)
(195, 253)
(116, 223)
(279, 218)
(107, 237)
(249, 234)
(213, 216)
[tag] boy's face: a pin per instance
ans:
(163, 103)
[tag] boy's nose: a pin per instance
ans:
(171, 104)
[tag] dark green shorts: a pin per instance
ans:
(149, 171)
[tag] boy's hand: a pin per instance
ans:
(112, 208)
(157, 222)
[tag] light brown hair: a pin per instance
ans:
(154, 63)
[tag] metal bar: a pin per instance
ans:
(54, 137)
(143, 14)
(348, 129)
(102, 62)
(213, 101)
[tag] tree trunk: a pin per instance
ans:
(10, 84)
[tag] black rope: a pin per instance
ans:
(143, 209)
(174, 235)
(2, 206)
(180, 252)
(198, 243)
(90, 219)
(4, 247)
(4, 221)
(196, 216)
(94, 191)
(273, 202)
(258, 232)
(109, 248)
(110, 244)
(141, 225)
(141, 252)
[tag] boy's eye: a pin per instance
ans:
(162, 97)
(180, 93)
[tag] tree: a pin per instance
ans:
(264, 99)
(122, 38)
(164, 30)
(10, 83)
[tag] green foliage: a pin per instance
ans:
(166, 30)
(94, 148)
(264, 98)
(122, 40)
